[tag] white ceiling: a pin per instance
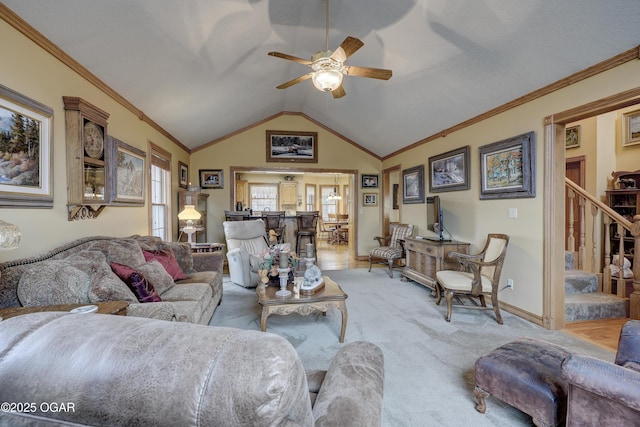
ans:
(199, 68)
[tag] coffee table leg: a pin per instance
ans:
(343, 308)
(263, 319)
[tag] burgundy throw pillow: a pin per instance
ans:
(137, 283)
(168, 261)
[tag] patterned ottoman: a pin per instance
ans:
(527, 375)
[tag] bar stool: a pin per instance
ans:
(307, 224)
(274, 220)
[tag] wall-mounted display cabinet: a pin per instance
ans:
(87, 158)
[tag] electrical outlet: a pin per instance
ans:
(509, 283)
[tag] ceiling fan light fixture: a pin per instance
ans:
(327, 80)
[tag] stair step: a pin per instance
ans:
(593, 305)
(578, 281)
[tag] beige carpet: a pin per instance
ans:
(429, 363)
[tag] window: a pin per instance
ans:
(328, 206)
(263, 196)
(310, 197)
(160, 190)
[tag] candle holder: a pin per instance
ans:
(283, 273)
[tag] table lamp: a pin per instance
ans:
(189, 214)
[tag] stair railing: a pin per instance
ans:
(623, 225)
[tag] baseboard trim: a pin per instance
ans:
(526, 315)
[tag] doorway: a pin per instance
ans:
(554, 194)
(309, 195)
(574, 170)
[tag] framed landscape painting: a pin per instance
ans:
(211, 178)
(413, 185)
(507, 168)
(297, 147)
(26, 143)
(369, 181)
(449, 171)
(127, 175)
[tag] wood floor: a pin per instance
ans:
(604, 333)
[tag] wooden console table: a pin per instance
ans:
(426, 257)
(110, 307)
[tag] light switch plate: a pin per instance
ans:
(513, 213)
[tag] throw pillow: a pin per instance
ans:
(168, 261)
(53, 282)
(156, 275)
(141, 288)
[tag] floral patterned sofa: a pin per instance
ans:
(161, 280)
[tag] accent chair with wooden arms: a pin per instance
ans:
(391, 248)
(479, 277)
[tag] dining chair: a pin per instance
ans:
(307, 228)
(274, 220)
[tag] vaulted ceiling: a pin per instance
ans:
(200, 69)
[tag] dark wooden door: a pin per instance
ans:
(575, 172)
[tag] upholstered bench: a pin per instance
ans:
(526, 374)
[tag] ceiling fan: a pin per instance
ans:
(328, 67)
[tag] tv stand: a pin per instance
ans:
(426, 257)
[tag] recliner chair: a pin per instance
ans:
(245, 241)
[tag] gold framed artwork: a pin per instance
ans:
(631, 131)
(127, 175)
(572, 137)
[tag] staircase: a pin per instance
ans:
(582, 301)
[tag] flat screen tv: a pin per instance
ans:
(434, 219)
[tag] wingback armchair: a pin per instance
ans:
(391, 247)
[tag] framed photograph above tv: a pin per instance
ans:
(297, 147)
(507, 168)
(413, 185)
(449, 171)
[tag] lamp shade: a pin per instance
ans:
(189, 213)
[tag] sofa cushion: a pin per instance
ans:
(121, 251)
(54, 282)
(156, 275)
(143, 290)
(189, 300)
(168, 260)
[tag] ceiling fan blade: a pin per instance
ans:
(290, 57)
(349, 46)
(338, 92)
(372, 73)
(294, 81)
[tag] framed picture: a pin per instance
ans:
(369, 199)
(127, 174)
(449, 171)
(298, 147)
(572, 137)
(631, 123)
(413, 185)
(507, 168)
(211, 178)
(183, 175)
(26, 144)
(369, 181)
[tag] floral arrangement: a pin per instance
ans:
(270, 262)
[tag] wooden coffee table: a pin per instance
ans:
(331, 296)
(110, 307)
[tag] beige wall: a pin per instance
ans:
(470, 219)
(248, 149)
(36, 74)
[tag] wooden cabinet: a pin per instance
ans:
(626, 202)
(426, 257)
(199, 200)
(288, 194)
(242, 193)
(87, 158)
